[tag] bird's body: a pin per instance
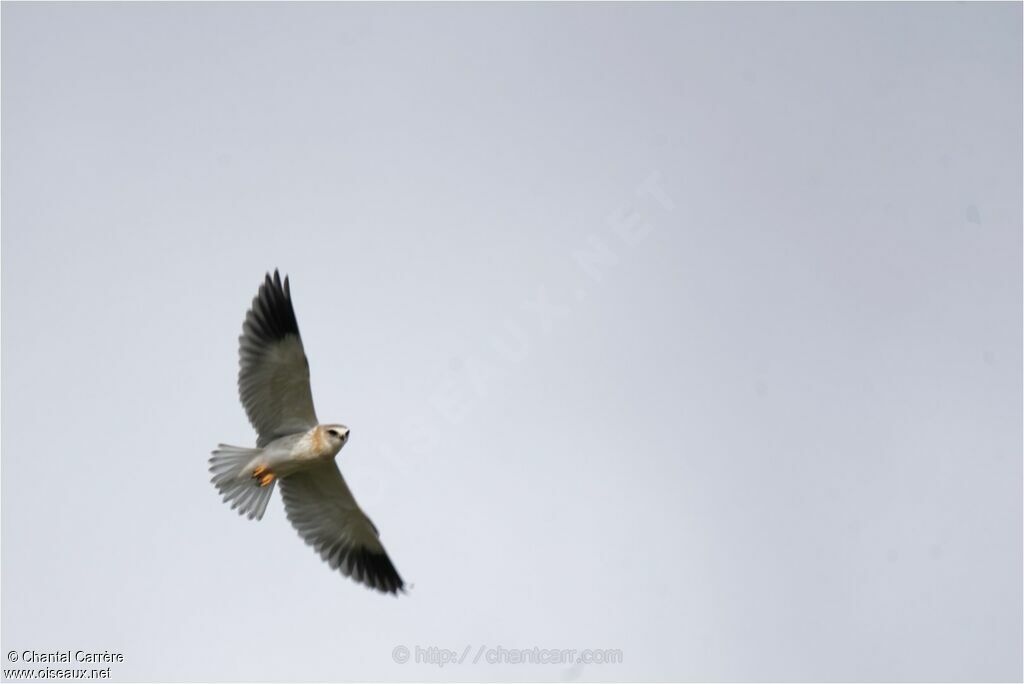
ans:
(293, 448)
(289, 454)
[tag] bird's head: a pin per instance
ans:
(337, 436)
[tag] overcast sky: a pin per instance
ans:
(692, 331)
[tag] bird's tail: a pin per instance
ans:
(239, 486)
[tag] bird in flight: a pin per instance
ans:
(294, 449)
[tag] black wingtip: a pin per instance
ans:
(275, 281)
(376, 571)
(271, 316)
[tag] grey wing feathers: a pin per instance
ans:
(321, 507)
(273, 375)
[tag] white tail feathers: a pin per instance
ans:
(234, 480)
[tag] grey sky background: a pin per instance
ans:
(688, 330)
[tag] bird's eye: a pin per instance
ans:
(332, 433)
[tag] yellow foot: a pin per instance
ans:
(263, 474)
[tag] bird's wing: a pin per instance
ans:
(273, 374)
(321, 507)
